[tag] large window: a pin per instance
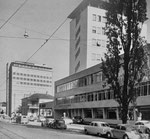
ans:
(87, 113)
(98, 113)
(111, 113)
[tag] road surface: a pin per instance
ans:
(15, 131)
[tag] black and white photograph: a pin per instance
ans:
(76, 69)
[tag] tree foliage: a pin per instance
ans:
(125, 49)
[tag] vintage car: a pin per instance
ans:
(59, 124)
(24, 119)
(125, 131)
(143, 123)
(67, 120)
(78, 120)
(47, 122)
(98, 128)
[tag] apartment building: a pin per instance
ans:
(34, 105)
(24, 79)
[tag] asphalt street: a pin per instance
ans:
(16, 131)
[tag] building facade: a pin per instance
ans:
(24, 79)
(85, 94)
(31, 106)
(87, 38)
(87, 34)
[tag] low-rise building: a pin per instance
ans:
(85, 94)
(47, 109)
(31, 104)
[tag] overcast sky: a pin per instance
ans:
(39, 18)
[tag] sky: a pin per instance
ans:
(40, 19)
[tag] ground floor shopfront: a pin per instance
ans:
(107, 111)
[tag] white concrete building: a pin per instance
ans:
(87, 38)
(24, 79)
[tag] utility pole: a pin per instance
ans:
(7, 89)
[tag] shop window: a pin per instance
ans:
(87, 113)
(98, 113)
(111, 114)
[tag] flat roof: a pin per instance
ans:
(84, 4)
(17, 63)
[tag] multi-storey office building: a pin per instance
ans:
(87, 34)
(85, 94)
(87, 38)
(24, 79)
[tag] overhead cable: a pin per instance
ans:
(13, 14)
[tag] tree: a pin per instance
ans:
(19, 110)
(125, 50)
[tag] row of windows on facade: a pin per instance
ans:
(83, 81)
(34, 84)
(100, 113)
(143, 90)
(31, 75)
(32, 67)
(98, 30)
(98, 42)
(108, 113)
(95, 42)
(99, 18)
(28, 79)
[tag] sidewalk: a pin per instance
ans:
(70, 127)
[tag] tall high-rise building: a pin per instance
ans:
(87, 38)
(24, 79)
(87, 34)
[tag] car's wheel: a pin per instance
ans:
(108, 135)
(86, 132)
(99, 134)
(125, 137)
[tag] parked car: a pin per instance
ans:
(78, 120)
(59, 124)
(98, 128)
(24, 119)
(67, 120)
(32, 118)
(125, 131)
(41, 119)
(47, 122)
(143, 122)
